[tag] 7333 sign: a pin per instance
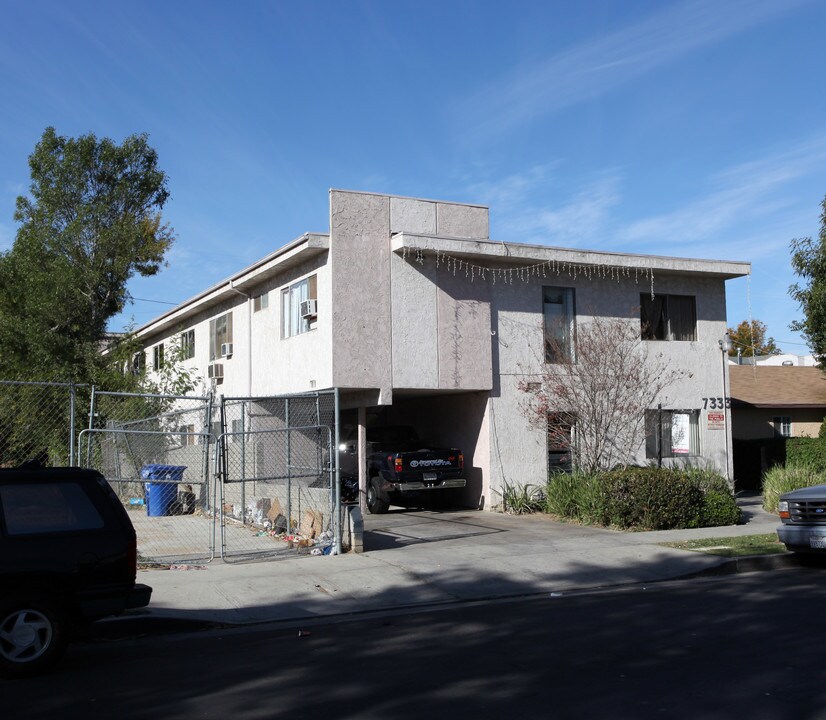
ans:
(716, 403)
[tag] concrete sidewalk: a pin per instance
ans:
(425, 558)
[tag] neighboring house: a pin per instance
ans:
(419, 318)
(771, 401)
(780, 359)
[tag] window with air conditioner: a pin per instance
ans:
(220, 334)
(297, 301)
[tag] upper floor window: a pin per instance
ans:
(157, 357)
(261, 302)
(298, 306)
(558, 314)
(220, 336)
(188, 344)
(668, 317)
(138, 362)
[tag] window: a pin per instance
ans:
(237, 431)
(677, 432)
(668, 317)
(782, 425)
(138, 362)
(560, 442)
(558, 312)
(261, 302)
(157, 357)
(292, 323)
(47, 508)
(188, 436)
(220, 333)
(188, 344)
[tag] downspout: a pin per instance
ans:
(249, 334)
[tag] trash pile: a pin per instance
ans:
(267, 518)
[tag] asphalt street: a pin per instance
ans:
(743, 645)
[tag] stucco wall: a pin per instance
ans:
(756, 423)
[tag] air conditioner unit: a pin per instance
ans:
(308, 308)
(216, 371)
(226, 349)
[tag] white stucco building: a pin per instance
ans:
(419, 318)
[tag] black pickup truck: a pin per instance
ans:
(401, 468)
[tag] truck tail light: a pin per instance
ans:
(397, 464)
(461, 461)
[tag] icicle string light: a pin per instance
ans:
(524, 273)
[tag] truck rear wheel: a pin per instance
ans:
(375, 503)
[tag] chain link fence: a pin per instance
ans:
(243, 478)
(277, 471)
(38, 422)
(154, 450)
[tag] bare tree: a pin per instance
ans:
(593, 396)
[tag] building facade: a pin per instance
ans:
(418, 317)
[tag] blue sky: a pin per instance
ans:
(673, 128)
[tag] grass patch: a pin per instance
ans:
(767, 544)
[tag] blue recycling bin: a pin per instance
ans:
(162, 493)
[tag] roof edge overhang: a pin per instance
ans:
(300, 250)
(519, 254)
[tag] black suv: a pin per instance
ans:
(68, 556)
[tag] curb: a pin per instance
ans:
(750, 563)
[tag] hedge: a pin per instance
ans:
(644, 498)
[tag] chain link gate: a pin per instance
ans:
(154, 450)
(277, 465)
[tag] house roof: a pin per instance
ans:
(769, 386)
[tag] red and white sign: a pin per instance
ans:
(716, 420)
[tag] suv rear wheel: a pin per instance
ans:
(32, 636)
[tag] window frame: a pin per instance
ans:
(158, 357)
(261, 301)
(188, 344)
(560, 347)
(782, 426)
(654, 431)
(560, 441)
(220, 333)
(291, 298)
(662, 328)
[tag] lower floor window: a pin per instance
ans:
(782, 426)
(672, 433)
(560, 442)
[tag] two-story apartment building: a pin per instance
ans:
(418, 317)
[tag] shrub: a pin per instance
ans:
(652, 498)
(644, 498)
(778, 480)
(522, 499)
(577, 496)
(806, 452)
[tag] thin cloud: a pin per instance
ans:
(602, 65)
(523, 212)
(750, 190)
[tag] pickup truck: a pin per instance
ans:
(401, 468)
(803, 516)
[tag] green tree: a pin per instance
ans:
(809, 263)
(91, 222)
(750, 338)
